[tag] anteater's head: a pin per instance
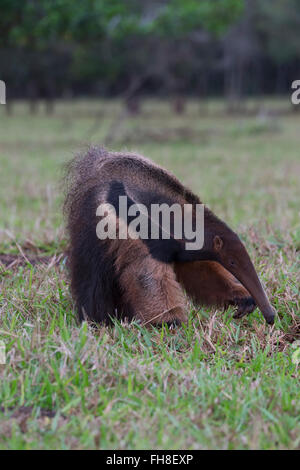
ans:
(229, 251)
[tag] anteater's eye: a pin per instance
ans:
(232, 263)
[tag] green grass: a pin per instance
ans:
(214, 383)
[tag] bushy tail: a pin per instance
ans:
(93, 280)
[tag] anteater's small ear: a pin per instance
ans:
(218, 243)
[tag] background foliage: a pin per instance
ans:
(52, 48)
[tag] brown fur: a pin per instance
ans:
(130, 278)
(148, 286)
(208, 283)
(154, 292)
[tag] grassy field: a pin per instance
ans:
(214, 383)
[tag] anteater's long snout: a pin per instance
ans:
(266, 309)
(251, 282)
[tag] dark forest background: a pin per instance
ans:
(53, 49)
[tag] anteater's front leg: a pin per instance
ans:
(208, 283)
(149, 287)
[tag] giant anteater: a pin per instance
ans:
(146, 279)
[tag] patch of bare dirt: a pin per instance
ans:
(22, 411)
(21, 415)
(11, 260)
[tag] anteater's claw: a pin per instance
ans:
(245, 306)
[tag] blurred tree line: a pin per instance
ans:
(129, 48)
